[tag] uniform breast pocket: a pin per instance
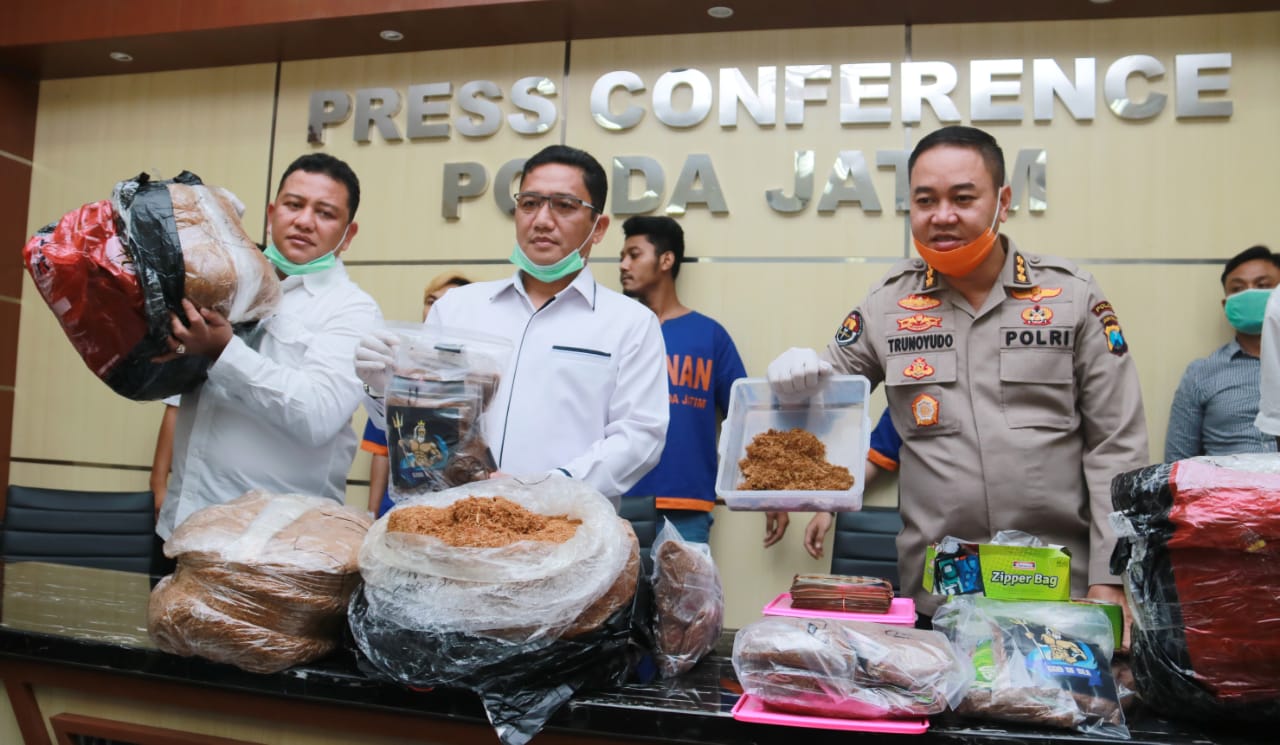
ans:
(921, 391)
(1037, 388)
(287, 336)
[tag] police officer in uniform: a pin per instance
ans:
(1007, 375)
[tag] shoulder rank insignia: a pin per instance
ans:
(850, 329)
(1020, 270)
(919, 302)
(1037, 315)
(919, 322)
(918, 369)
(924, 409)
(1036, 294)
(1115, 337)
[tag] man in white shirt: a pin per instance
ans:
(585, 392)
(275, 412)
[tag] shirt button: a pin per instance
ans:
(1035, 259)
(917, 263)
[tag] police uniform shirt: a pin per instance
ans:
(1013, 416)
(586, 388)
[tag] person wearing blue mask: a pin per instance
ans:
(1216, 403)
(585, 391)
(275, 412)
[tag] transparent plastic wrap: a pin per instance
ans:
(849, 669)
(688, 602)
(523, 624)
(113, 271)
(443, 380)
(1044, 663)
(1199, 550)
(262, 582)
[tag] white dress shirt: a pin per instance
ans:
(1268, 419)
(586, 389)
(278, 418)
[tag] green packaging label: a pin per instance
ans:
(1002, 572)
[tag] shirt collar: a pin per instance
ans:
(315, 282)
(583, 285)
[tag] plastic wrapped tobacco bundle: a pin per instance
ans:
(113, 272)
(849, 669)
(1199, 550)
(262, 582)
(841, 593)
(688, 602)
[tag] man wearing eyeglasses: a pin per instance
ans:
(585, 393)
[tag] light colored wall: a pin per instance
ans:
(1151, 208)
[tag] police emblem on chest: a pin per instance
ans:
(924, 409)
(918, 369)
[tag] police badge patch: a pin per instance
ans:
(850, 329)
(924, 409)
(1115, 337)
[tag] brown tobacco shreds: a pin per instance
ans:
(482, 522)
(790, 461)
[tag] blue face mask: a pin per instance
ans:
(315, 265)
(549, 273)
(1245, 310)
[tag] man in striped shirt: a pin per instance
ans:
(1214, 408)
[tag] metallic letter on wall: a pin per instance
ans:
(1187, 69)
(697, 168)
(530, 94)
(504, 185)
(655, 181)
(850, 166)
(897, 160)
(1028, 177)
(478, 97)
(1115, 86)
(327, 108)
(1079, 98)
(603, 89)
(796, 90)
(664, 91)
(376, 106)
(461, 180)
(779, 202)
(421, 106)
(761, 104)
(982, 89)
(853, 92)
(915, 91)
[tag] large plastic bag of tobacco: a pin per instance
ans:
(519, 590)
(1199, 550)
(113, 271)
(1046, 663)
(442, 383)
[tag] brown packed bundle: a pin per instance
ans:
(262, 582)
(619, 594)
(225, 271)
(790, 461)
(688, 601)
(852, 594)
(848, 669)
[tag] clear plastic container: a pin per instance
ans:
(836, 415)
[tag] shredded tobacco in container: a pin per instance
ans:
(790, 461)
(482, 522)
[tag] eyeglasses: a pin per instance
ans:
(562, 205)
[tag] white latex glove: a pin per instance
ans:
(374, 358)
(797, 374)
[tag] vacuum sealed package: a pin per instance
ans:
(114, 271)
(848, 669)
(688, 602)
(1199, 550)
(443, 380)
(520, 591)
(1036, 662)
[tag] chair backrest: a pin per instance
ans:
(642, 512)
(865, 543)
(104, 530)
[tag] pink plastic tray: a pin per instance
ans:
(902, 612)
(751, 709)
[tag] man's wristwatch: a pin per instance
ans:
(369, 392)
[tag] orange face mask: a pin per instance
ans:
(958, 262)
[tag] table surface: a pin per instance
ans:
(96, 619)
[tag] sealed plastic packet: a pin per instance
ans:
(443, 379)
(688, 601)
